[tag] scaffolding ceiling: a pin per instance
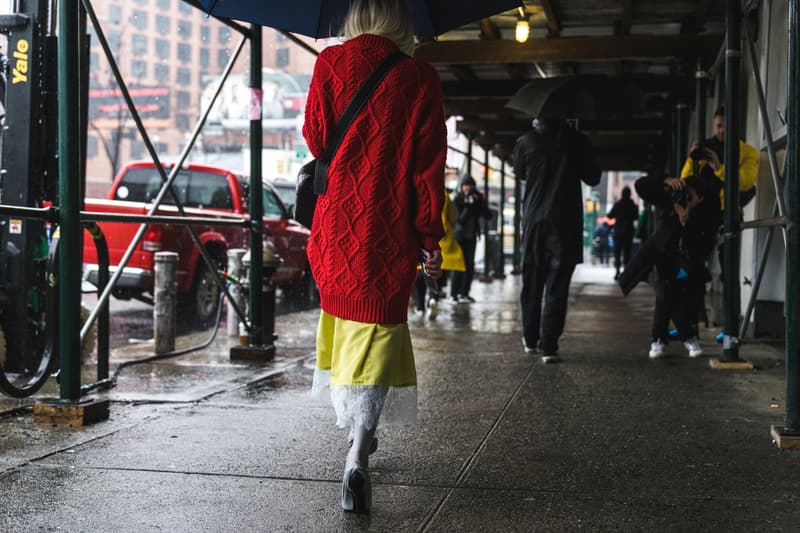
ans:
(654, 46)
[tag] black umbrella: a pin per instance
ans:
(585, 97)
(323, 18)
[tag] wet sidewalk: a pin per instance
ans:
(605, 441)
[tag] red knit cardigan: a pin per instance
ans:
(385, 183)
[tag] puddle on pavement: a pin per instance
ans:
(295, 379)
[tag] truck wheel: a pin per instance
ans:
(203, 300)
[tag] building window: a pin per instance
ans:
(204, 57)
(141, 2)
(184, 76)
(114, 14)
(185, 8)
(162, 73)
(162, 48)
(94, 61)
(137, 149)
(184, 99)
(281, 38)
(163, 4)
(205, 33)
(224, 35)
(282, 57)
(91, 146)
(163, 24)
(113, 38)
(185, 29)
(182, 122)
(222, 58)
(139, 69)
(139, 45)
(184, 53)
(139, 19)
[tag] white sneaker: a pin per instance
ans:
(433, 308)
(693, 347)
(528, 349)
(657, 349)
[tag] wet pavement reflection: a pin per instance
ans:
(131, 321)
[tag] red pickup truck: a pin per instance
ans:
(204, 191)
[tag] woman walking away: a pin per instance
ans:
(382, 209)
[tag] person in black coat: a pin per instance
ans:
(625, 212)
(684, 238)
(471, 207)
(552, 159)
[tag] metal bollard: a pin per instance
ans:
(235, 269)
(165, 296)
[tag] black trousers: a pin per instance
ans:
(419, 291)
(676, 300)
(462, 281)
(622, 249)
(544, 297)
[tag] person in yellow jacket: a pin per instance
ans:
(452, 259)
(711, 152)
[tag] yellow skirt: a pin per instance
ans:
(369, 371)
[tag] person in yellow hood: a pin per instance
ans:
(711, 152)
(452, 259)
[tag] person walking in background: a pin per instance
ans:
(366, 238)
(624, 213)
(601, 242)
(552, 159)
(452, 260)
(471, 207)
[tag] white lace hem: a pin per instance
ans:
(361, 404)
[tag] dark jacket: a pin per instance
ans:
(470, 211)
(625, 212)
(673, 246)
(602, 233)
(552, 163)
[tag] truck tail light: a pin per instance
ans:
(152, 239)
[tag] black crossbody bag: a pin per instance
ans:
(312, 180)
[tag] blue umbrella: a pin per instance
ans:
(323, 18)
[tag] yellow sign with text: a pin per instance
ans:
(19, 73)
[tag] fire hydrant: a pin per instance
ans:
(271, 260)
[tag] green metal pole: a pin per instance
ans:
(793, 225)
(700, 77)
(731, 237)
(487, 259)
(682, 135)
(674, 167)
(256, 196)
(69, 247)
(470, 137)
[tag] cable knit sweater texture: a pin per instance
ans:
(385, 183)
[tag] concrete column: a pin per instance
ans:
(165, 296)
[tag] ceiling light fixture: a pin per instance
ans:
(523, 30)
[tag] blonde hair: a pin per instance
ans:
(388, 18)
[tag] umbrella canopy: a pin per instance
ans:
(323, 18)
(585, 97)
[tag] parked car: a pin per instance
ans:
(204, 191)
(286, 189)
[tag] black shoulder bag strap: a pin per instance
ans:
(350, 113)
